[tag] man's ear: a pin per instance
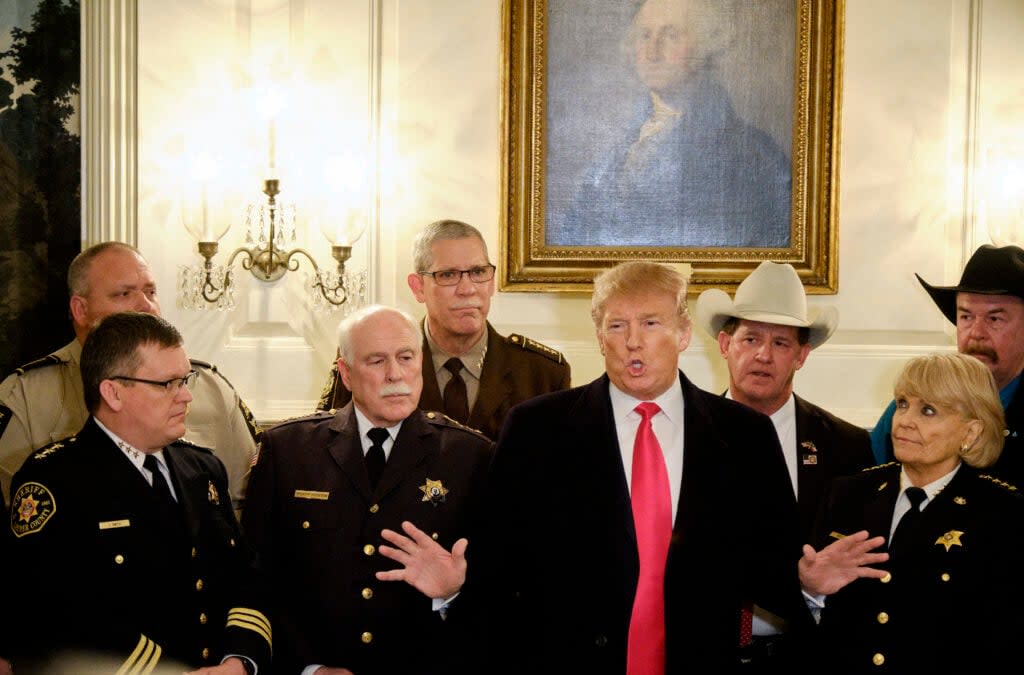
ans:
(79, 309)
(111, 395)
(724, 339)
(415, 282)
(343, 370)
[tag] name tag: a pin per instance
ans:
(114, 524)
(312, 494)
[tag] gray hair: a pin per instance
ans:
(441, 230)
(78, 270)
(349, 323)
(710, 20)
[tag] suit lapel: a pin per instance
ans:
(416, 441)
(347, 450)
(192, 489)
(880, 502)
(494, 387)
(430, 398)
(809, 439)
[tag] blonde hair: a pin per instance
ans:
(965, 384)
(630, 278)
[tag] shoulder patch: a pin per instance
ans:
(880, 466)
(1001, 483)
(32, 506)
(526, 343)
(439, 419)
(49, 360)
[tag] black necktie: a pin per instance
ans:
(904, 534)
(375, 455)
(159, 484)
(456, 401)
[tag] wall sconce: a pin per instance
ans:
(270, 229)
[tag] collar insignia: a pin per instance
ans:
(950, 539)
(434, 492)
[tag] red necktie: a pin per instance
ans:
(652, 519)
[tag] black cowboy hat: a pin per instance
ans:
(991, 270)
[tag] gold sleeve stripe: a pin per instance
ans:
(259, 629)
(250, 615)
(143, 659)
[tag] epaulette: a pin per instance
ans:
(1001, 483)
(318, 414)
(49, 450)
(255, 430)
(526, 343)
(194, 446)
(879, 466)
(49, 360)
(439, 419)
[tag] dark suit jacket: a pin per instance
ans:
(953, 604)
(557, 569)
(313, 518)
(115, 575)
(1010, 465)
(515, 369)
(827, 447)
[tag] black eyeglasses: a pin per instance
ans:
(480, 274)
(172, 385)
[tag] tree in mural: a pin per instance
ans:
(40, 179)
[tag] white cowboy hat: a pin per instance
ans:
(772, 294)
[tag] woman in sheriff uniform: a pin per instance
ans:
(955, 536)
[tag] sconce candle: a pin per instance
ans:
(272, 143)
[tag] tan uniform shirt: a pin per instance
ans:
(45, 403)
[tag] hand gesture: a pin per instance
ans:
(826, 571)
(426, 565)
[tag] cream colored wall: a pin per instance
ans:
(926, 83)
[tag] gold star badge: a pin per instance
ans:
(950, 539)
(27, 510)
(434, 492)
(959, 501)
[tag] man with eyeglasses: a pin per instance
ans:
(470, 371)
(43, 401)
(138, 560)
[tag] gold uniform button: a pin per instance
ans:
(367, 593)
(375, 508)
(887, 578)
(366, 637)
(945, 576)
(206, 653)
(431, 415)
(202, 618)
(883, 617)
(369, 549)
(194, 552)
(199, 584)
(305, 524)
(231, 542)
(434, 536)
(878, 659)
(119, 559)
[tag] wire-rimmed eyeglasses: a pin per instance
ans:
(480, 274)
(172, 385)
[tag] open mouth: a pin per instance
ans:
(635, 367)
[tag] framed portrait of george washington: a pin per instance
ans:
(702, 132)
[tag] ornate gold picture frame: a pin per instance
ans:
(583, 183)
